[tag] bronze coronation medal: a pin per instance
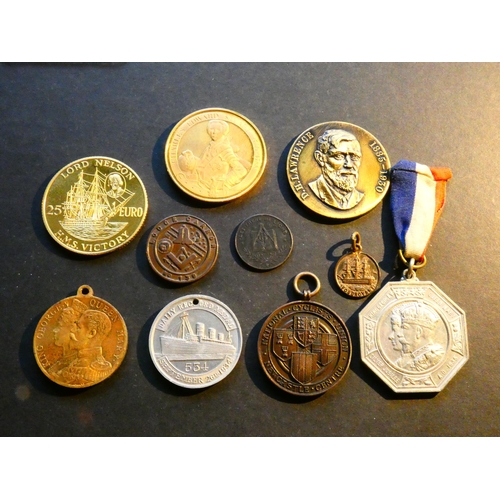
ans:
(304, 347)
(412, 335)
(182, 248)
(338, 170)
(263, 242)
(215, 155)
(94, 205)
(356, 273)
(80, 341)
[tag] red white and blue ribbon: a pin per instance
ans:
(417, 200)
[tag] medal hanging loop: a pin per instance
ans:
(412, 266)
(306, 294)
(356, 242)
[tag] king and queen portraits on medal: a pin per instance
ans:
(412, 335)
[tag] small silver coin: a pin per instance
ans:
(195, 341)
(263, 242)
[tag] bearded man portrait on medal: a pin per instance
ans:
(338, 153)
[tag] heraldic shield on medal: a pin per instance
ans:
(303, 347)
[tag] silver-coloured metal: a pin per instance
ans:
(195, 341)
(413, 336)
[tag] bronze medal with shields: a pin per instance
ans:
(304, 347)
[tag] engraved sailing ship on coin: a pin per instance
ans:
(202, 343)
(94, 205)
(87, 210)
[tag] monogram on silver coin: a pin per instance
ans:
(195, 341)
(413, 336)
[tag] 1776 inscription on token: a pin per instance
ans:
(182, 248)
(263, 242)
(338, 170)
(195, 341)
(94, 205)
(304, 348)
(215, 155)
(413, 336)
(81, 340)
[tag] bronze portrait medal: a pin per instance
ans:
(182, 248)
(94, 205)
(338, 170)
(304, 347)
(80, 341)
(215, 155)
(412, 335)
(357, 274)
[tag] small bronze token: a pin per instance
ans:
(94, 205)
(263, 242)
(304, 347)
(81, 340)
(182, 248)
(356, 273)
(338, 170)
(215, 155)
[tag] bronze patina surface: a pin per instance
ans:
(263, 242)
(338, 170)
(80, 340)
(304, 347)
(182, 248)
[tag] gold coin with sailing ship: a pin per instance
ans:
(94, 205)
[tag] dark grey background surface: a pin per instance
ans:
(436, 114)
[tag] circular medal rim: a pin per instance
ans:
(260, 355)
(102, 252)
(250, 264)
(335, 213)
(115, 367)
(345, 256)
(206, 198)
(166, 278)
(167, 308)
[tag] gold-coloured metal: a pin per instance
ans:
(356, 273)
(81, 340)
(94, 205)
(338, 170)
(306, 293)
(215, 155)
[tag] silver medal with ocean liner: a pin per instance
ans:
(195, 341)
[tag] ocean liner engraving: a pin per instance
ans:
(87, 210)
(202, 343)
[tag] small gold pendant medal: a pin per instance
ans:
(412, 335)
(356, 273)
(304, 347)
